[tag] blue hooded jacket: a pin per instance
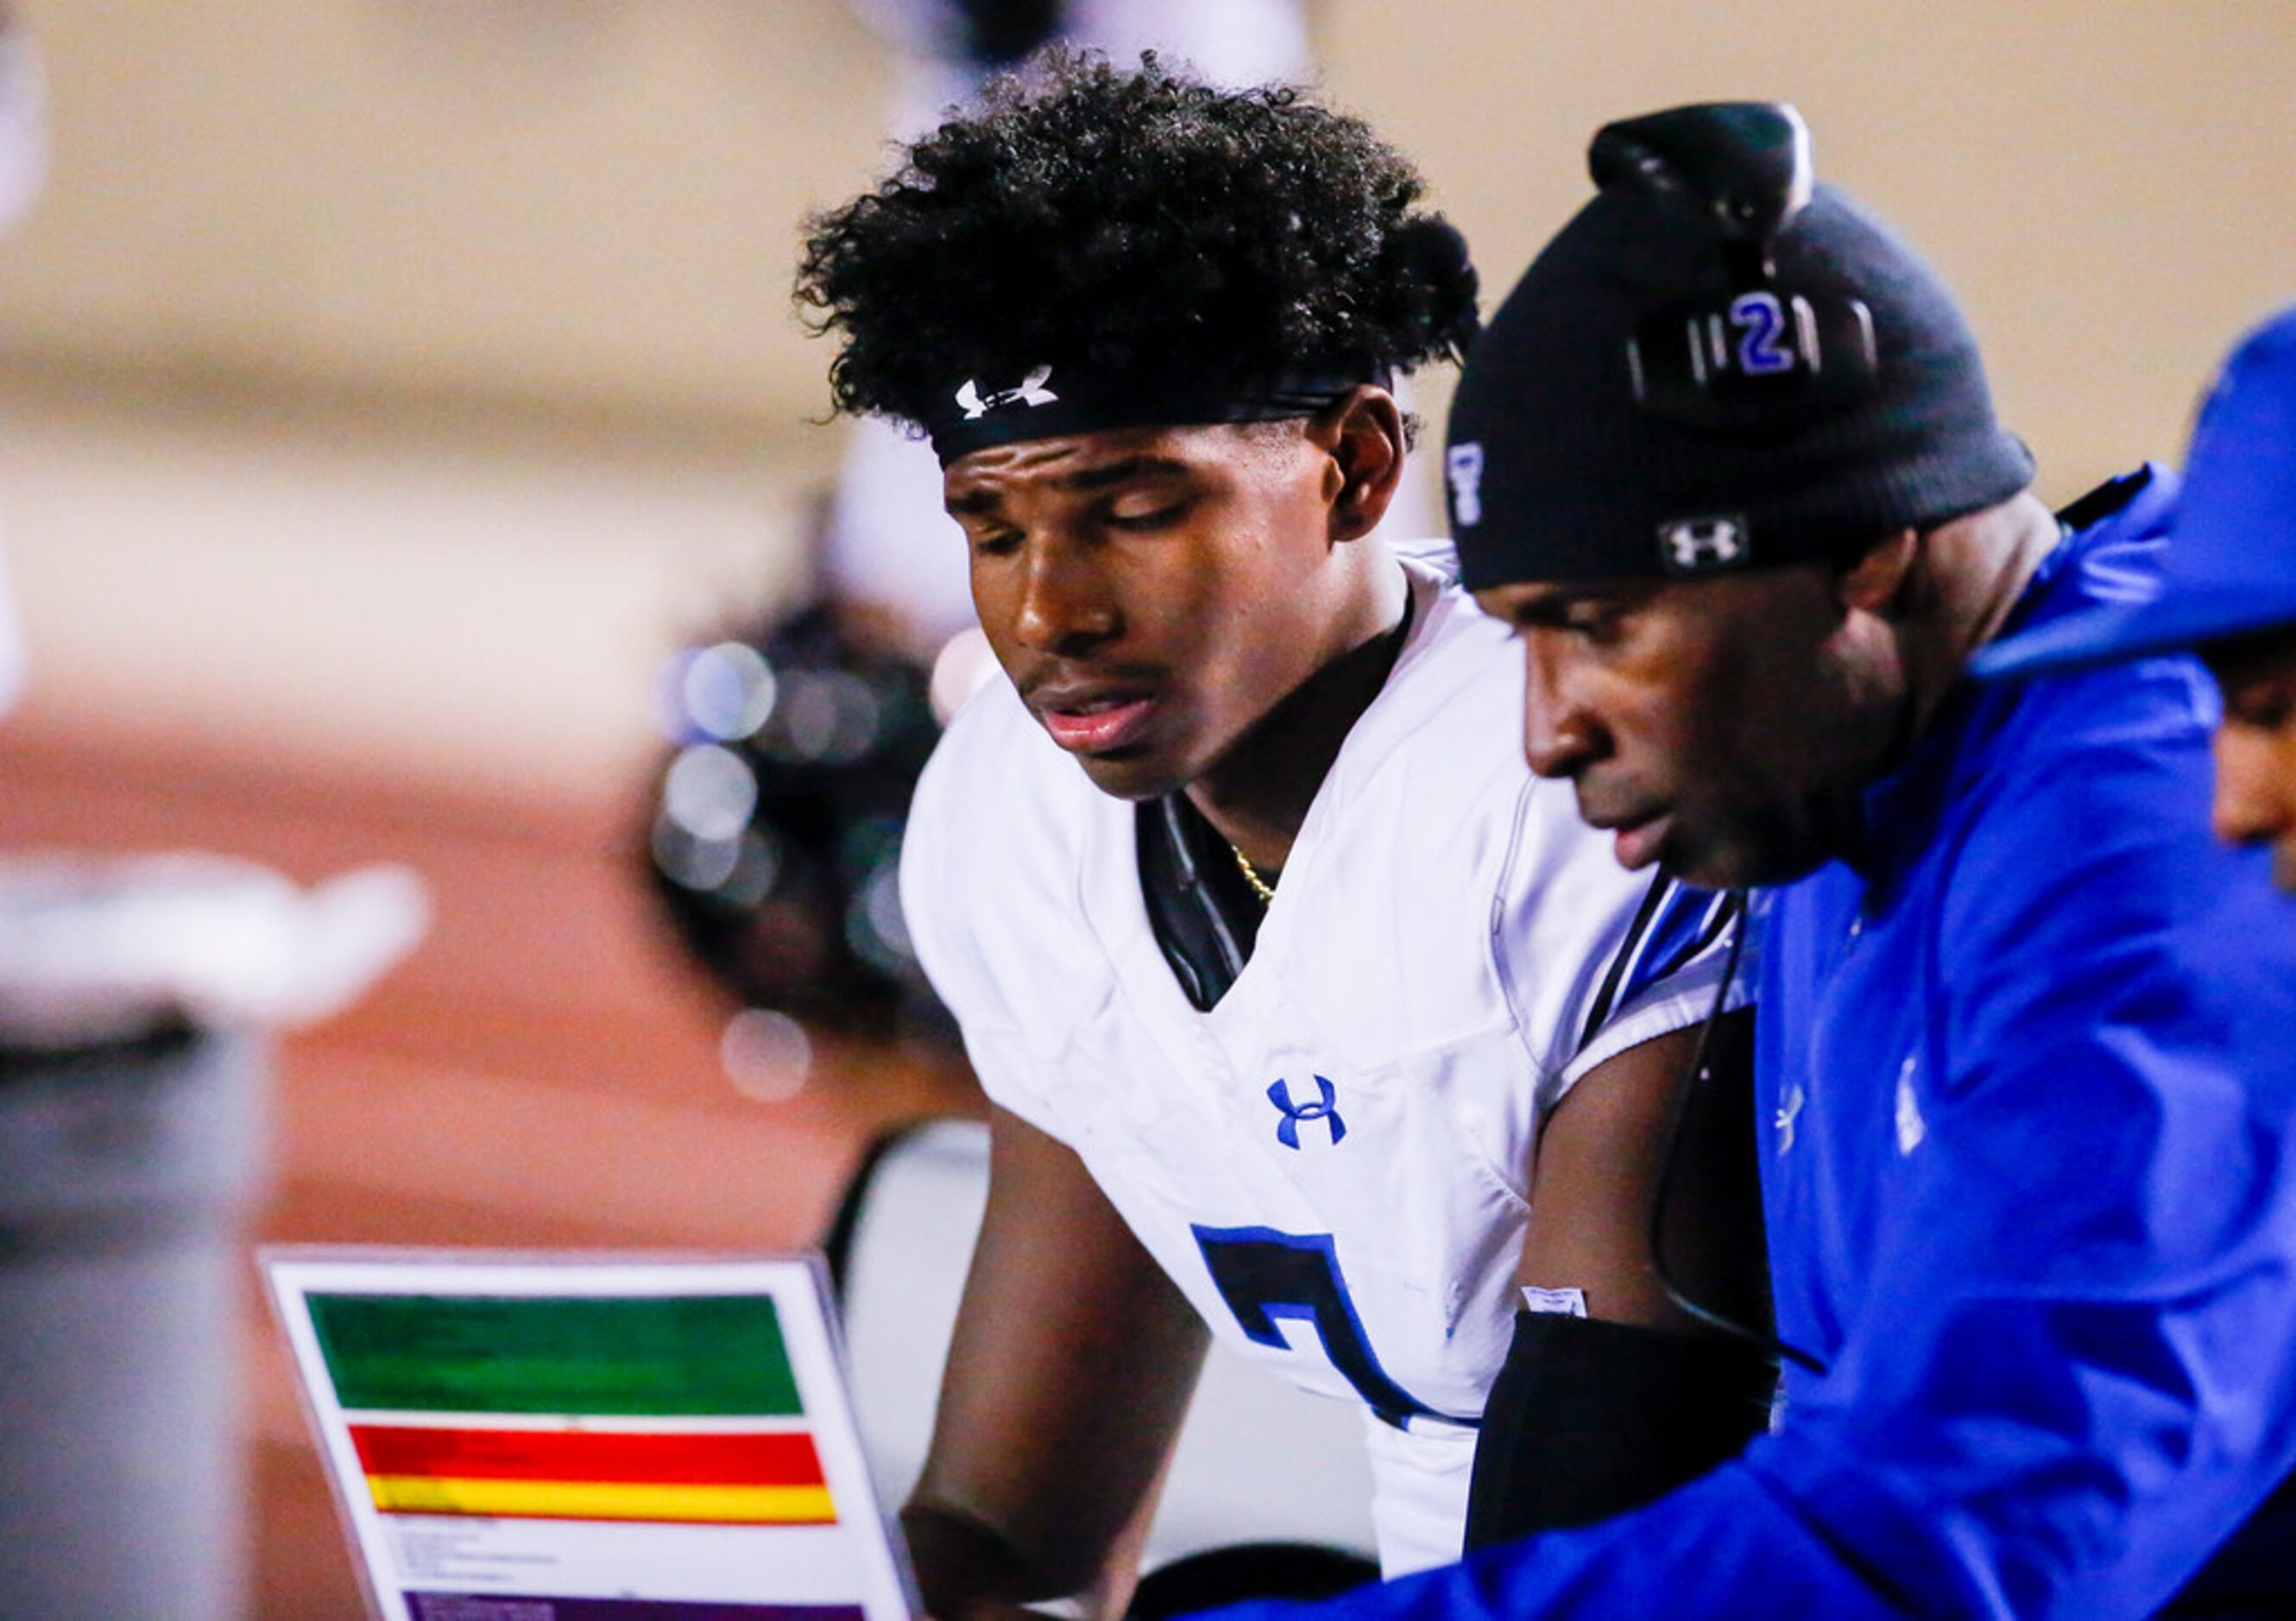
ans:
(2027, 1072)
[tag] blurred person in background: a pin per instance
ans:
(2227, 591)
(774, 846)
(1727, 461)
(1273, 960)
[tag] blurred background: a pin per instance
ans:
(387, 387)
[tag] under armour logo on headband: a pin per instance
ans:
(1031, 392)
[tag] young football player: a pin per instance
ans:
(1309, 1015)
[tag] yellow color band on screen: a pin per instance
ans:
(746, 1505)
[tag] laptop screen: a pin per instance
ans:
(588, 1436)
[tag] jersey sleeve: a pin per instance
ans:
(1598, 960)
(2074, 1375)
(1664, 974)
(962, 838)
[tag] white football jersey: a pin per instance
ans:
(1332, 1163)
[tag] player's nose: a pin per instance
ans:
(1063, 605)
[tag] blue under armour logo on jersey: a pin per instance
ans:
(1287, 1129)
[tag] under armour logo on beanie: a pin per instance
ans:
(1700, 546)
(1718, 364)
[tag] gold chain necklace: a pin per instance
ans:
(1260, 886)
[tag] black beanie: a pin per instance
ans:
(1562, 465)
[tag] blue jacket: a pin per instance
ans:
(2027, 1082)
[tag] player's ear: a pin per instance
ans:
(1364, 435)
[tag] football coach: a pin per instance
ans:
(2228, 593)
(1727, 461)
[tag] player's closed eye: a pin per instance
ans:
(1156, 518)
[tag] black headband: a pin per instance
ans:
(1047, 401)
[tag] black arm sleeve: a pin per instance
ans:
(1589, 1419)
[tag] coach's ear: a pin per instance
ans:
(1364, 435)
(1874, 582)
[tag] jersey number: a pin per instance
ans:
(1264, 1274)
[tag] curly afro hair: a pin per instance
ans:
(1132, 221)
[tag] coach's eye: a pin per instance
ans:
(1594, 622)
(996, 542)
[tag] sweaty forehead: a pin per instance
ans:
(1083, 463)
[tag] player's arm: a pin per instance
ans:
(1595, 1415)
(1073, 1363)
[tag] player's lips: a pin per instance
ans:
(1092, 719)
